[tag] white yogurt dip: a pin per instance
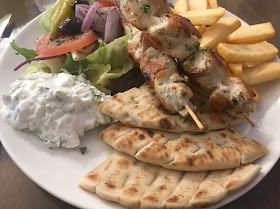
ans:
(58, 108)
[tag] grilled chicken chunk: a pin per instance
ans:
(206, 69)
(226, 92)
(170, 87)
(173, 35)
(166, 32)
(161, 71)
(234, 96)
(144, 13)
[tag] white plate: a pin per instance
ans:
(58, 171)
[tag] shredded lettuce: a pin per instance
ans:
(109, 62)
(45, 19)
(27, 53)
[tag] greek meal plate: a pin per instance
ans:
(58, 171)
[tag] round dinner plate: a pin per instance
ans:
(59, 170)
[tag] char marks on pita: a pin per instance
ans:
(138, 107)
(135, 184)
(213, 150)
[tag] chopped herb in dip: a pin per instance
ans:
(83, 150)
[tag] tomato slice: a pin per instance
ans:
(107, 4)
(63, 44)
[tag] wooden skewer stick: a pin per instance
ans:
(250, 121)
(196, 120)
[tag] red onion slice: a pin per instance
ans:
(81, 11)
(36, 59)
(88, 19)
(113, 27)
(99, 19)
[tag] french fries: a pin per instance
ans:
(200, 28)
(213, 4)
(264, 72)
(198, 4)
(236, 69)
(257, 97)
(252, 34)
(219, 31)
(180, 6)
(236, 45)
(259, 52)
(204, 17)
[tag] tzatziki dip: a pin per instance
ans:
(58, 108)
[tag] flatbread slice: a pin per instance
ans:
(139, 107)
(215, 150)
(134, 184)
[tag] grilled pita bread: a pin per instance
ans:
(215, 150)
(135, 184)
(139, 107)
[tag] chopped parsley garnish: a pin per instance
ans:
(98, 96)
(171, 5)
(83, 150)
(214, 51)
(160, 82)
(186, 67)
(204, 50)
(159, 32)
(196, 46)
(187, 119)
(202, 102)
(188, 47)
(146, 7)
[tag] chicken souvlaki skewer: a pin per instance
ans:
(161, 70)
(173, 35)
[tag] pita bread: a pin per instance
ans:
(135, 184)
(213, 150)
(139, 107)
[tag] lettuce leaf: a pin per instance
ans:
(74, 67)
(49, 66)
(109, 62)
(45, 19)
(27, 53)
(36, 66)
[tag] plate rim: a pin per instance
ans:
(227, 200)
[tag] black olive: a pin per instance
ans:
(70, 26)
(73, 5)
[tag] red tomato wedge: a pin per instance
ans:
(63, 44)
(107, 4)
